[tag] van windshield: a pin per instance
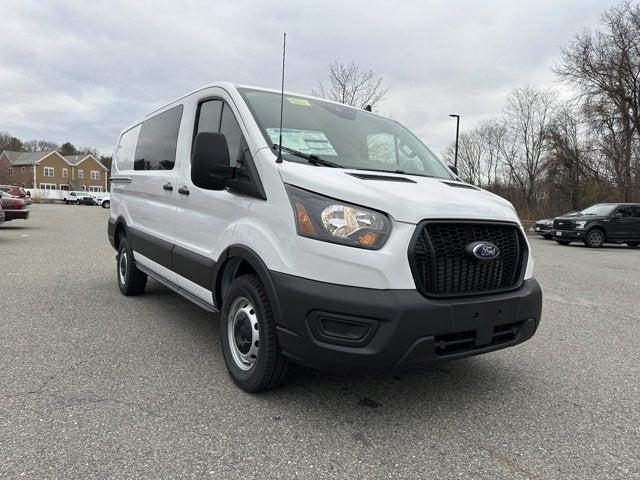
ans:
(344, 136)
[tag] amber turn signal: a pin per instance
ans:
(305, 225)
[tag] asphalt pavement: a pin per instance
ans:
(95, 385)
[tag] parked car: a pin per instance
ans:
(13, 207)
(105, 202)
(1, 213)
(349, 247)
(79, 198)
(544, 227)
(599, 224)
(17, 192)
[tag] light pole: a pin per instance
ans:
(455, 159)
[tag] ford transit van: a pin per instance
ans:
(338, 242)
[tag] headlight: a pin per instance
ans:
(334, 221)
(580, 224)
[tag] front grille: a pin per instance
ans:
(455, 343)
(562, 224)
(442, 268)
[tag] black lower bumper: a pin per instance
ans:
(341, 328)
(568, 234)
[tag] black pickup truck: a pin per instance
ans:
(600, 223)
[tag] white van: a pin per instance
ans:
(355, 250)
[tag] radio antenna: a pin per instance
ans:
(284, 50)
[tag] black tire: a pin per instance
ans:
(563, 242)
(594, 238)
(246, 301)
(131, 281)
(66, 202)
(632, 244)
(547, 237)
(106, 204)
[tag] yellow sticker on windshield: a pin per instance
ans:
(299, 101)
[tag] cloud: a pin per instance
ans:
(80, 71)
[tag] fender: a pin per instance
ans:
(227, 267)
(112, 227)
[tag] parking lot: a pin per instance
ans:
(96, 385)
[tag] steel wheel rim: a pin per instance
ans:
(122, 268)
(243, 333)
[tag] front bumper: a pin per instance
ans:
(568, 234)
(22, 214)
(341, 328)
(544, 230)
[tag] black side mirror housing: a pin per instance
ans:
(210, 167)
(453, 169)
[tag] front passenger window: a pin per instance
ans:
(231, 130)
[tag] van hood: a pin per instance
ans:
(406, 201)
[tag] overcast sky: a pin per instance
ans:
(82, 70)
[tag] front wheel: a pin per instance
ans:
(130, 280)
(249, 339)
(546, 237)
(66, 202)
(563, 242)
(594, 238)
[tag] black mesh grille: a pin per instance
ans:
(562, 224)
(442, 268)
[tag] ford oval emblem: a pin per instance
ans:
(482, 250)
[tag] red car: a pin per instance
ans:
(16, 192)
(13, 207)
(1, 213)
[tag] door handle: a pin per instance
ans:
(183, 191)
(168, 187)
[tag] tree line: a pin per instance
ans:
(549, 156)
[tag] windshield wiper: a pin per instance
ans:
(313, 159)
(401, 172)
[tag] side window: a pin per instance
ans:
(625, 211)
(126, 149)
(156, 149)
(231, 130)
(209, 116)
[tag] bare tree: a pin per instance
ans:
(527, 116)
(349, 85)
(604, 65)
(40, 145)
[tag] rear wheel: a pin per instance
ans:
(594, 238)
(130, 280)
(563, 242)
(249, 340)
(106, 204)
(66, 202)
(633, 244)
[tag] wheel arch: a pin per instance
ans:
(116, 230)
(237, 260)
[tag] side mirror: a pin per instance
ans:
(210, 167)
(453, 169)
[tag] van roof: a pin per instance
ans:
(229, 86)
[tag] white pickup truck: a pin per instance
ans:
(80, 197)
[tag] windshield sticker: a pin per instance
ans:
(305, 141)
(299, 101)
